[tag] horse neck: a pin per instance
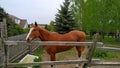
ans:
(44, 34)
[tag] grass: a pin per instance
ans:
(109, 42)
(39, 52)
(105, 55)
(67, 54)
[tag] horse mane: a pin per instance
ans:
(43, 29)
(44, 33)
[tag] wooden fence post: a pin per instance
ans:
(91, 51)
(3, 26)
(1, 50)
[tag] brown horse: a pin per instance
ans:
(75, 36)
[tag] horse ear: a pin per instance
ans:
(36, 24)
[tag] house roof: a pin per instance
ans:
(14, 17)
(23, 22)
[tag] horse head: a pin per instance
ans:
(33, 33)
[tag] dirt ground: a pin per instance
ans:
(69, 55)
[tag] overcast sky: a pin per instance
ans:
(42, 11)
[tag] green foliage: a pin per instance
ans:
(89, 37)
(50, 27)
(39, 52)
(77, 10)
(2, 13)
(37, 60)
(97, 15)
(64, 21)
(104, 54)
(100, 54)
(15, 30)
(109, 39)
(26, 30)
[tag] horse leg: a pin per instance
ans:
(52, 58)
(79, 50)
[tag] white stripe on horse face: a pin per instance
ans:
(29, 33)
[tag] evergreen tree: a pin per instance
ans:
(64, 21)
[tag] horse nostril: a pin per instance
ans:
(28, 40)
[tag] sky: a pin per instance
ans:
(41, 11)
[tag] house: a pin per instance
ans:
(22, 22)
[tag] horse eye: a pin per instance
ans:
(34, 30)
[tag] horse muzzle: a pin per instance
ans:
(28, 40)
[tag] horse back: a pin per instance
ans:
(74, 36)
(80, 36)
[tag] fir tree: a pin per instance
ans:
(64, 21)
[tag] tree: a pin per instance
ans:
(2, 13)
(98, 15)
(12, 27)
(50, 27)
(64, 21)
(77, 9)
(90, 17)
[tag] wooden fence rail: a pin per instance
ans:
(52, 62)
(58, 43)
(106, 64)
(109, 49)
(95, 62)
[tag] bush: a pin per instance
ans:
(104, 54)
(89, 37)
(37, 60)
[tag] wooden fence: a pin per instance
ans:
(87, 63)
(14, 43)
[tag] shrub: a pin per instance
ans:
(37, 60)
(104, 54)
(100, 54)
